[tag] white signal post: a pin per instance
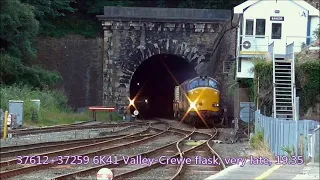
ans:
(9, 120)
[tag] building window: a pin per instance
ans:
(276, 31)
(239, 64)
(261, 27)
(249, 27)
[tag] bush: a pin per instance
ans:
(307, 83)
(316, 33)
(53, 108)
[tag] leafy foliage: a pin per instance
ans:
(53, 108)
(14, 71)
(209, 4)
(308, 80)
(19, 29)
(307, 83)
(47, 10)
(316, 33)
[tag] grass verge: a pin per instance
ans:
(54, 109)
(260, 147)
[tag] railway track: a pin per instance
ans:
(61, 128)
(51, 146)
(96, 149)
(119, 143)
(164, 170)
(123, 170)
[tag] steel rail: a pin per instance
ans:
(75, 127)
(69, 144)
(68, 128)
(157, 164)
(6, 149)
(119, 162)
(15, 172)
(73, 149)
(206, 143)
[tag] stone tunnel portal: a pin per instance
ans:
(152, 84)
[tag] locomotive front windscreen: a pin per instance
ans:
(202, 83)
(213, 84)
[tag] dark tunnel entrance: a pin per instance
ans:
(152, 84)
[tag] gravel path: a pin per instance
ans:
(65, 135)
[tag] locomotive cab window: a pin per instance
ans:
(194, 84)
(203, 82)
(213, 84)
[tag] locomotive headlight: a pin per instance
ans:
(215, 105)
(193, 105)
(146, 101)
(131, 102)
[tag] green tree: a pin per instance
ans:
(96, 6)
(316, 32)
(209, 4)
(19, 29)
(46, 11)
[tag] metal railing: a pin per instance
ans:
(260, 43)
(270, 48)
(313, 145)
(290, 51)
(300, 41)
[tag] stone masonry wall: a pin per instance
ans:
(79, 62)
(127, 45)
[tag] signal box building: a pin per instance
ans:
(269, 29)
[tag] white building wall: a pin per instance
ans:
(246, 69)
(294, 26)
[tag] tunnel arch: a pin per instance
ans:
(118, 92)
(154, 81)
(153, 47)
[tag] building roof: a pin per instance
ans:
(312, 10)
(165, 14)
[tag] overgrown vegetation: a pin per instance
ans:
(260, 146)
(316, 33)
(53, 109)
(308, 74)
(307, 84)
(261, 87)
(290, 150)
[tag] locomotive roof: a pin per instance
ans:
(198, 77)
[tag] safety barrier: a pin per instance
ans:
(281, 134)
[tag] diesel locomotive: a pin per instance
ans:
(197, 101)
